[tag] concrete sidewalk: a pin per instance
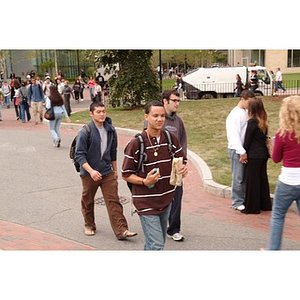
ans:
(41, 191)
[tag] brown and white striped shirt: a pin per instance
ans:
(155, 200)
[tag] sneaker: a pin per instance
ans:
(240, 207)
(176, 237)
(58, 142)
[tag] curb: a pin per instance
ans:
(209, 184)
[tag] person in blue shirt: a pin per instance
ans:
(35, 100)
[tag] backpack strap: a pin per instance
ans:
(142, 152)
(88, 129)
(170, 144)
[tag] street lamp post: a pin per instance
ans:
(160, 75)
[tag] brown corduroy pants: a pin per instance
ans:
(109, 188)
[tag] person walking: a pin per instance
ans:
(152, 192)
(173, 123)
(278, 81)
(46, 86)
(286, 149)
(23, 102)
(56, 101)
(91, 84)
(6, 90)
(1, 101)
(239, 84)
(35, 100)
(97, 92)
(76, 89)
(236, 124)
(96, 154)
(66, 93)
(253, 81)
(257, 195)
(15, 86)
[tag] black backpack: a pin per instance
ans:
(143, 154)
(73, 147)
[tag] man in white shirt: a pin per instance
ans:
(236, 124)
(278, 81)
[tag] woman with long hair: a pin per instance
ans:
(55, 100)
(257, 196)
(286, 149)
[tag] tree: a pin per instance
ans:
(134, 81)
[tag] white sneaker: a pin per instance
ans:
(176, 237)
(240, 207)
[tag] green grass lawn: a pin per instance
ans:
(205, 125)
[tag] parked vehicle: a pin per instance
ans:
(220, 82)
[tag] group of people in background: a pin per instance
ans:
(254, 84)
(247, 132)
(32, 96)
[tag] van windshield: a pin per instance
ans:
(264, 76)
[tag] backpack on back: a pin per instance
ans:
(73, 147)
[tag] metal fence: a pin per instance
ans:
(226, 90)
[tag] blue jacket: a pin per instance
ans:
(89, 150)
(35, 93)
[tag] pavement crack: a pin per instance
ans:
(51, 189)
(51, 216)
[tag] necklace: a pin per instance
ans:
(155, 153)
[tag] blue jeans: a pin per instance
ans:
(238, 179)
(91, 92)
(155, 230)
(54, 128)
(278, 85)
(7, 100)
(24, 108)
(284, 196)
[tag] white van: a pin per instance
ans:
(220, 82)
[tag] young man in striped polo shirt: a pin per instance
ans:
(152, 193)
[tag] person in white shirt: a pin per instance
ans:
(278, 81)
(236, 124)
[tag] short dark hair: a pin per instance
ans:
(95, 104)
(246, 94)
(167, 94)
(152, 103)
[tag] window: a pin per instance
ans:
(293, 58)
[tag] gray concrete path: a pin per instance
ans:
(41, 191)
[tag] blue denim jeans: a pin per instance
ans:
(155, 229)
(24, 108)
(278, 85)
(238, 179)
(284, 196)
(54, 128)
(7, 100)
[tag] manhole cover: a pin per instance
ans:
(100, 200)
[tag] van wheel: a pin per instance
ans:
(207, 95)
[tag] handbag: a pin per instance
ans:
(270, 144)
(49, 114)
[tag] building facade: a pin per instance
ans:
(287, 60)
(22, 62)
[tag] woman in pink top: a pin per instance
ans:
(287, 150)
(91, 84)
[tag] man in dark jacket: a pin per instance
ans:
(174, 124)
(97, 155)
